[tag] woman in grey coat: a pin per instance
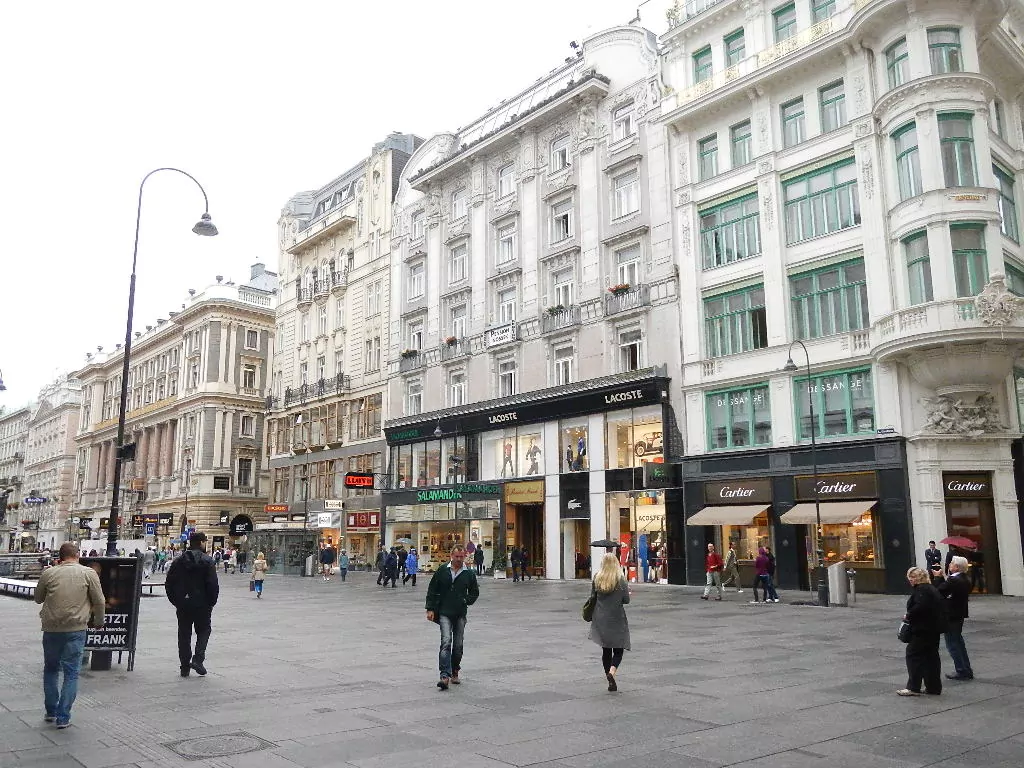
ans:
(609, 628)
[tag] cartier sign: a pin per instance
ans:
(738, 492)
(975, 485)
(851, 485)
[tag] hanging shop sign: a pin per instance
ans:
(745, 491)
(362, 521)
(359, 480)
(271, 508)
(224, 518)
(574, 496)
(974, 485)
(165, 518)
(241, 525)
(334, 505)
(325, 520)
(529, 492)
(849, 485)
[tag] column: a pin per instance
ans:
(93, 467)
(155, 452)
(111, 457)
(141, 452)
(166, 443)
(101, 465)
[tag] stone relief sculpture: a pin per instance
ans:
(996, 305)
(950, 415)
(588, 120)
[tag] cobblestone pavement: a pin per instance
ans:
(330, 674)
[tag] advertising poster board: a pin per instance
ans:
(121, 579)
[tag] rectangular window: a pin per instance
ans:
(339, 362)
(507, 306)
(417, 225)
(417, 274)
(416, 335)
(303, 374)
(245, 473)
(730, 232)
(322, 321)
(1014, 282)
(249, 376)
(506, 243)
(793, 131)
(707, 157)
(563, 364)
(561, 221)
(821, 202)
(373, 291)
(560, 153)
(829, 301)
(944, 50)
(843, 404)
(630, 350)
(970, 260)
(735, 48)
(702, 66)
(919, 268)
(822, 9)
(626, 193)
(506, 180)
(456, 388)
(742, 149)
(372, 359)
(738, 418)
(956, 138)
(735, 322)
(413, 397)
(457, 260)
(507, 378)
(897, 62)
(833, 106)
(252, 341)
(628, 262)
(305, 326)
(1007, 204)
(458, 204)
(999, 119)
(321, 367)
(562, 288)
(784, 21)
(458, 321)
(908, 161)
(622, 122)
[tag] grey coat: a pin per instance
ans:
(609, 628)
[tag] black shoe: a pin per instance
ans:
(198, 667)
(185, 671)
(611, 682)
(950, 676)
(443, 683)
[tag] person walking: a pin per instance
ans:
(713, 570)
(955, 588)
(391, 569)
(343, 562)
(452, 589)
(148, 563)
(926, 617)
(516, 562)
(772, 595)
(478, 561)
(524, 564)
(241, 557)
(402, 557)
(72, 601)
(760, 574)
(731, 572)
(259, 573)
(932, 558)
(378, 563)
(193, 589)
(412, 563)
(327, 557)
(609, 627)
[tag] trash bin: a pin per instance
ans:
(852, 576)
(838, 584)
(308, 570)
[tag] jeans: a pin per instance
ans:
(611, 657)
(62, 651)
(770, 592)
(762, 581)
(453, 631)
(957, 648)
(714, 579)
(343, 572)
(200, 619)
(259, 589)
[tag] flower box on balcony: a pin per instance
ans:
(408, 354)
(621, 288)
(556, 310)
(451, 341)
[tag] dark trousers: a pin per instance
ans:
(381, 576)
(409, 576)
(760, 582)
(515, 572)
(923, 664)
(479, 569)
(391, 576)
(611, 657)
(958, 649)
(199, 618)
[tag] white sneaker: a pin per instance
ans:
(775, 600)
(739, 591)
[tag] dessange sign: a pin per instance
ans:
(850, 485)
(738, 492)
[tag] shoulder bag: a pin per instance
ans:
(904, 632)
(588, 607)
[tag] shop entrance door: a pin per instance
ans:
(975, 519)
(576, 549)
(529, 533)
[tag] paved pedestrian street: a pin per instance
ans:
(330, 674)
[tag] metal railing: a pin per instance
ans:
(458, 348)
(637, 297)
(566, 317)
(333, 385)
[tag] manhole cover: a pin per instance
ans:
(323, 710)
(218, 745)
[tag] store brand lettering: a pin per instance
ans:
(575, 504)
(731, 493)
(442, 494)
(502, 418)
(960, 485)
(837, 487)
(620, 397)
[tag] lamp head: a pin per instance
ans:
(437, 430)
(790, 365)
(205, 226)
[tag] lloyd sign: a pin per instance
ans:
(851, 485)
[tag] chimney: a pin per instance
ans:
(256, 270)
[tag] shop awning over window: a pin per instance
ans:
(735, 514)
(832, 512)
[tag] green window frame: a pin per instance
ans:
(793, 126)
(821, 202)
(1007, 203)
(702, 65)
(1014, 278)
(908, 161)
(822, 9)
(970, 258)
(897, 62)
(735, 47)
(735, 322)
(829, 300)
(944, 50)
(843, 404)
(832, 100)
(707, 156)
(784, 22)
(740, 137)
(730, 232)
(919, 267)
(956, 142)
(738, 418)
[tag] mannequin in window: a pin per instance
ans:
(568, 459)
(507, 462)
(581, 451)
(533, 454)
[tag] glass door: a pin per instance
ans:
(975, 519)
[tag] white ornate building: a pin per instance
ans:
(13, 440)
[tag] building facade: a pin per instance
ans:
(50, 461)
(195, 415)
(532, 285)
(845, 174)
(13, 444)
(326, 403)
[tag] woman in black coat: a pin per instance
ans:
(926, 616)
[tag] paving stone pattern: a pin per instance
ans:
(329, 674)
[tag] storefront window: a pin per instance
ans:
(418, 470)
(498, 457)
(856, 542)
(843, 404)
(634, 437)
(453, 459)
(435, 528)
(573, 446)
(739, 418)
(746, 539)
(434, 462)
(402, 462)
(531, 452)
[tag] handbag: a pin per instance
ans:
(588, 607)
(252, 585)
(904, 632)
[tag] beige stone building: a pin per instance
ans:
(13, 438)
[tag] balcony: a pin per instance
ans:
(558, 318)
(454, 349)
(632, 298)
(330, 386)
(322, 286)
(681, 12)
(303, 294)
(326, 224)
(339, 281)
(410, 360)
(501, 334)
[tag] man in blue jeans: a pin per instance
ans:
(955, 587)
(72, 601)
(452, 589)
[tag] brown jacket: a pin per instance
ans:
(72, 598)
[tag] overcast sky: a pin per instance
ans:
(257, 100)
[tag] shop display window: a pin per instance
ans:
(418, 471)
(738, 418)
(634, 437)
(499, 454)
(855, 543)
(402, 462)
(433, 458)
(531, 452)
(747, 539)
(573, 446)
(454, 459)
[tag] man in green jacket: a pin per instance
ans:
(452, 590)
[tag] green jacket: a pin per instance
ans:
(446, 597)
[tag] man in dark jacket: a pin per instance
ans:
(402, 556)
(378, 563)
(956, 588)
(452, 589)
(478, 561)
(516, 563)
(391, 568)
(193, 589)
(932, 559)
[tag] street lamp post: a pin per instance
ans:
(203, 227)
(819, 552)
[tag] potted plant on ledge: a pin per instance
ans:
(409, 353)
(451, 341)
(556, 310)
(618, 290)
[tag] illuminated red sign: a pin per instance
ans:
(359, 480)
